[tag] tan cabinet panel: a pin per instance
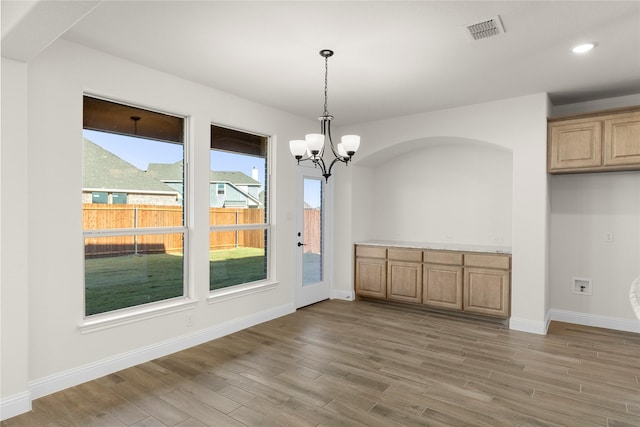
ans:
(443, 257)
(487, 261)
(486, 291)
(371, 277)
(404, 254)
(576, 144)
(404, 281)
(622, 140)
(371, 251)
(442, 286)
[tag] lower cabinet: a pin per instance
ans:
(486, 291)
(442, 286)
(478, 283)
(404, 275)
(404, 281)
(371, 272)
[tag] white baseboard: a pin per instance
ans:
(345, 295)
(595, 320)
(15, 405)
(531, 326)
(18, 404)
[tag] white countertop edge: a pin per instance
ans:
(442, 246)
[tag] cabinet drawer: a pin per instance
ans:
(488, 261)
(443, 257)
(410, 255)
(371, 251)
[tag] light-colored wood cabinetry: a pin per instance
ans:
(404, 275)
(622, 140)
(487, 284)
(442, 278)
(371, 271)
(473, 282)
(575, 144)
(601, 142)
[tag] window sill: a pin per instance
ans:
(100, 322)
(232, 292)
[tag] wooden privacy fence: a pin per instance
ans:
(312, 234)
(109, 217)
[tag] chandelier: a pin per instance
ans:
(313, 146)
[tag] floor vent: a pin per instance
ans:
(488, 28)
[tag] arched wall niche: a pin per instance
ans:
(441, 189)
(404, 147)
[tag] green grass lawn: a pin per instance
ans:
(118, 282)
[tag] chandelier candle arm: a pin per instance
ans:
(313, 146)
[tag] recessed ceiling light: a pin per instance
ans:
(582, 48)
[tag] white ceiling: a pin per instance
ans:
(391, 58)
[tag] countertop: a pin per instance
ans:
(442, 246)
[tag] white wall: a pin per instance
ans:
(14, 262)
(583, 209)
(449, 191)
(47, 175)
(518, 125)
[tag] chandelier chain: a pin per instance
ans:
(326, 90)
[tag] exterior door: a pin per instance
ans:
(312, 285)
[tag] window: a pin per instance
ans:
(239, 221)
(119, 198)
(220, 189)
(100, 197)
(132, 213)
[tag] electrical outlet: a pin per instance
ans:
(608, 236)
(449, 237)
(189, 320)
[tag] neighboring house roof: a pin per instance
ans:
(166, 171)
(233, 197)
(104, 170)
(235, 178)
(173, 172)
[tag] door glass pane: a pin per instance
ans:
(312, 259)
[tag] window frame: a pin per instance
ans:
(186, 301)
(269, 282)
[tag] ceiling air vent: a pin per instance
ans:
(488, 28)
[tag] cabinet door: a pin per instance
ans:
(371, 277)
(404, 281)
(442, 286)
(575, 145)
(622, 140)
(487, 291)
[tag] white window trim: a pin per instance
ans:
(240, 290)
(125, 316)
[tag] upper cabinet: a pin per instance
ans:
(606, 141)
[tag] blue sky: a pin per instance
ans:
(140, 152)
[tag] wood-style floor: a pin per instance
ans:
(364, 363)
